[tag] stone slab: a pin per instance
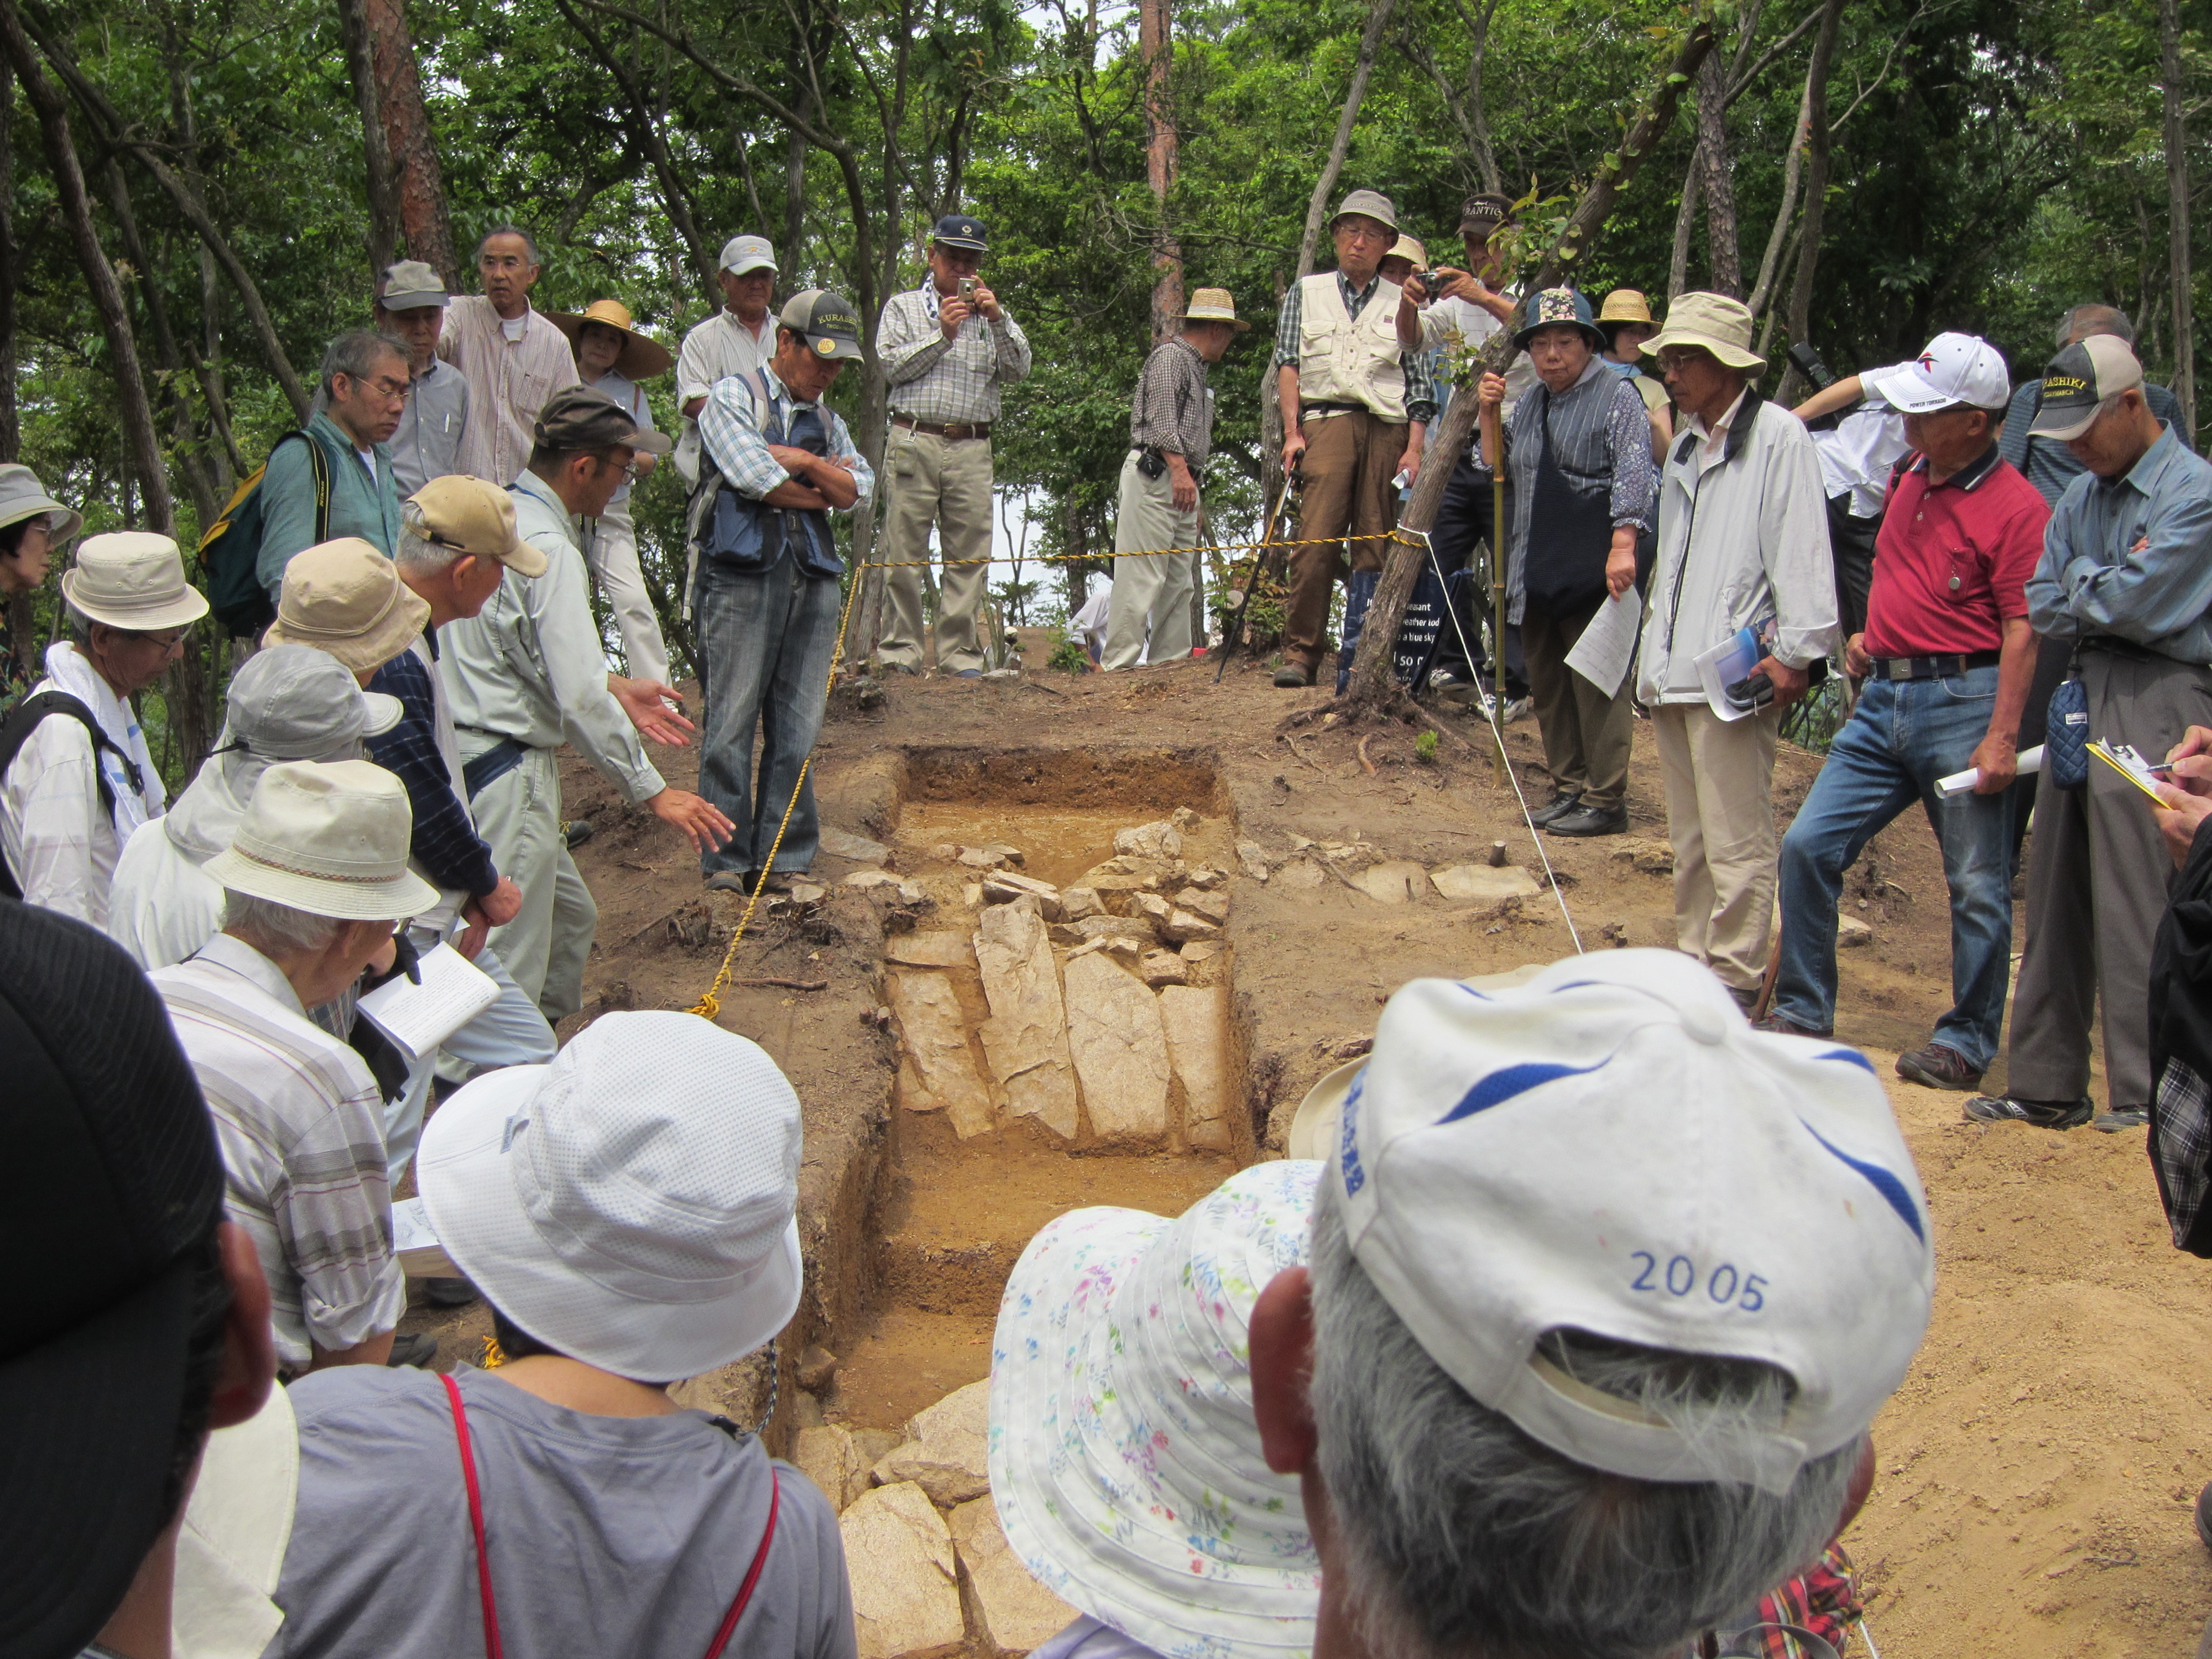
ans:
(1158, 968)
(946, 1447)
(929, 951)
(1077, 903)
(1025, 1038)
(905, 1577)
(1214, 907)
(829, 1457)
(871, 878)
(927, 1010)
(1136, 927)
(1482, 881)
(1850, 933)
(1393, 881)
(839, 843)
(1253, 858)
(1195, 1019)
(1016, 1612)
(1181, 928)
(1121, 1053)
(1150, 841)
(1005, 886)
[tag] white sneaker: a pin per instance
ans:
(1520, 709)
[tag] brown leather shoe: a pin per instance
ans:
(1292, 675)
(1935, 1067)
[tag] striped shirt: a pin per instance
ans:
(301, 1129)
(1173, 411)
(947, 382)
(509, 382)
(1421, 382)
(730, 431)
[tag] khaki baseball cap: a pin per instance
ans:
(580, 418)
(346, 597)
(473, 516)
(2078, 380)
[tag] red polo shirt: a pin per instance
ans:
(1953, 559)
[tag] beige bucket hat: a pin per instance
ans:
(329, 838)
(22, 496)
(1368, 204)
(1407, 248)
(642, 356)
(1713, 321)
(1212, 304)
(133, 579)
(345, 597)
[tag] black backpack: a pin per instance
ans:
(230, 550)
(16, 731)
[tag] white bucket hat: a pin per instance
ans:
(632, 1204)
(133, 579)
(329, 837)
(1125, 1461)
(1611, 1149)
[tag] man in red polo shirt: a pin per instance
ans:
(1947, 657)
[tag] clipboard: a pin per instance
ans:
(2122, 758)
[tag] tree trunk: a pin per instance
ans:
(11, 433)
(1374, 687)
(382, 189)
(1370, 38)
(414, 151)
(2173, 90)
(134, 411)
(794, 186)
(1770, 264)
(1486, 155)
(1156, 48)
(1686, 222)
(1799, 316)
(1722, 248)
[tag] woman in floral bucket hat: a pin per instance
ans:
(1125, 1461)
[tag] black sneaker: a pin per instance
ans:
(2121, 1117)
(576, 831)
(1938, 1066)
(1557, 807)
(448, 1292)
(2042, 1114)
(1591, 821)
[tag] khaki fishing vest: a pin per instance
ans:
(1348, 360)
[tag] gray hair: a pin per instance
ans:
(354, 354)
(276, 929)
(1463, 1535)
(416, 551)
(2094, 316)
(529, 242)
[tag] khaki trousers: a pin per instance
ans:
(519, 816)
(1720, 817)
(1155, 590)
(610, 550)
(1350, 460)
(945, 482)
(2097, 871)
(1587, 734)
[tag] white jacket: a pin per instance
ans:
(1741, 538)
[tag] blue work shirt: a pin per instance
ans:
(2132, 557)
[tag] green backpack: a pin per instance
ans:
(230, 550)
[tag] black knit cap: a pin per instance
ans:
(110, 1184)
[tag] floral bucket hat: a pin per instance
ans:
(1125, 1461)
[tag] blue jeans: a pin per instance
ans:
(1358, 594)
(1903, 736)
(769, 636)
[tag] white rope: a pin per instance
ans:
(1866, 1632)
(1496, 720)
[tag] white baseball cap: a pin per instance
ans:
(1611, 1149)
(632, 1204)
(1956, 368)
(329, 838)
(1125, 1461)
(743, 253)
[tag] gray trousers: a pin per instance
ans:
(2097, 873)
(519, 816)
(945, 482)
(1155, 590)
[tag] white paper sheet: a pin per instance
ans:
(418, 1018)
(1607, 646)
(2031, 762)
(415, 1241)
(1732, 659)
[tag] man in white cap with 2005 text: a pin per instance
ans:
(628, 1212)
(314, 881)
(1605, 1291)
(76, 776)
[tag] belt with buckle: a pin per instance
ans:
(1932, 668)
(931, 429)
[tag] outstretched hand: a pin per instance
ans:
(652, 709)
(700, 820)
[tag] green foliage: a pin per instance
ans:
(1067, 654)
(1425, 748)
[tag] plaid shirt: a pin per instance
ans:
(947, 382)
(1420, 379)
(1172, 411)
(730, 431)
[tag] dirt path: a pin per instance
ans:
(2037, 1468)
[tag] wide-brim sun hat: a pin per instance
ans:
(1212, 304)
(1713, 321)
(1558, 307)
(1407, 248)
(132, 580)
(632, 1204)
(642, 358)
(330, 838)
(22, 496)
(346, 596)
(1125, 1461)
(294, 702)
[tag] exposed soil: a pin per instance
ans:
(2037, 1465)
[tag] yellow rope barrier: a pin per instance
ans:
(1137, 553)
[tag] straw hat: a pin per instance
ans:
(22, 496)
(1626, 304)
(632, 1205)
(345, 597)
(1713, 321)
(642, 359)
(133, 579)
(329, 838)
(1124, 1458)
(1407, 248)
(1212, 304)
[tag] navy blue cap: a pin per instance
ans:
(958, 230)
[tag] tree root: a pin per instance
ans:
(1395, 707)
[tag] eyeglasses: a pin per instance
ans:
(174, 640)
(1674, 357)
